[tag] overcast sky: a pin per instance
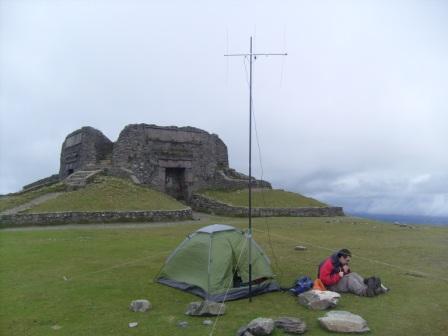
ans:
(355, 115)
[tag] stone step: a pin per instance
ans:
(80, 177)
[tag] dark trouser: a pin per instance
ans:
(350, 283)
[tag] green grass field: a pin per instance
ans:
(109, 193)
(106, 268)
(263, 198)
(12, 201)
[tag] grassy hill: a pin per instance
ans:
(105, 193)
(109, 193)
(83, 279)
(11, 201)
(263, 198)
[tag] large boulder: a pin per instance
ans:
(290, 325)
(319, 300)
(343, 322)
(205, 308)
(140, 305)
(261, 326)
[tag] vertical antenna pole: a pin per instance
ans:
(250, 172)
(249, 236)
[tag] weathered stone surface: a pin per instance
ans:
(83, 147)
(243, 332)
(132, 324)
(207, 322)
(175, 160)
(140, 305)
(319, 300)
(57, 218)
(205, 204)
(343, 322)
(261, 326)
(290, 325)
(206, 308)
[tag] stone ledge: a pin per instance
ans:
(208, 205)
(60, 218)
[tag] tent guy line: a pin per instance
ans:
(419, 273)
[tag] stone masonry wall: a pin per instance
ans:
(58, 218)
(42, 182)
(83, 147)
(148, 150)
(208, 205)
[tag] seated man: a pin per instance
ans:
(335, 274)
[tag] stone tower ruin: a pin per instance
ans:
(175, 160)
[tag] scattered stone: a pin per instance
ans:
(140, 305)
(261, 326)
(132, 324)
(291, 325)
(205, 308)
(243, 332)
(300, 248)
(319, 300)
(207, 322)
(344, 322)
(182, 324)
(56, 327)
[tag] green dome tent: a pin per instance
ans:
(213, 263)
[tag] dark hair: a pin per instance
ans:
(344, 253)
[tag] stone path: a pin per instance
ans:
(32, 203)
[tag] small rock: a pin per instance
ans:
(140, 305)
(291, 325)
(343, 322)
(319, 300)
(300, 248)
(261, 326)
(132, 324)
(243, 332)
(207, 322)
(182, 324)
(205, 308)
(56, 327)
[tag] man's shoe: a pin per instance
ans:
(371, 286)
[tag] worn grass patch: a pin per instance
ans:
(273, 198)
(12, 201)
(108, 268)
(107, 194)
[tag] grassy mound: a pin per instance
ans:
(83, 279)
(272, 198)
(108, 194)
(12, 201)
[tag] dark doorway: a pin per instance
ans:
(175, 183)
(69, 172)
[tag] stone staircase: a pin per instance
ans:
(80, 178)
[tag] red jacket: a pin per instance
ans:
(329, 271)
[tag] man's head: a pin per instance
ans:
(344, 256)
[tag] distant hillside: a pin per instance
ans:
(273, 198)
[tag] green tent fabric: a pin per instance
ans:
(213, 263)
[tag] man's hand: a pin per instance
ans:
(346, 268)
(341, 274)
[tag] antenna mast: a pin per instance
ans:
(252, 56)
